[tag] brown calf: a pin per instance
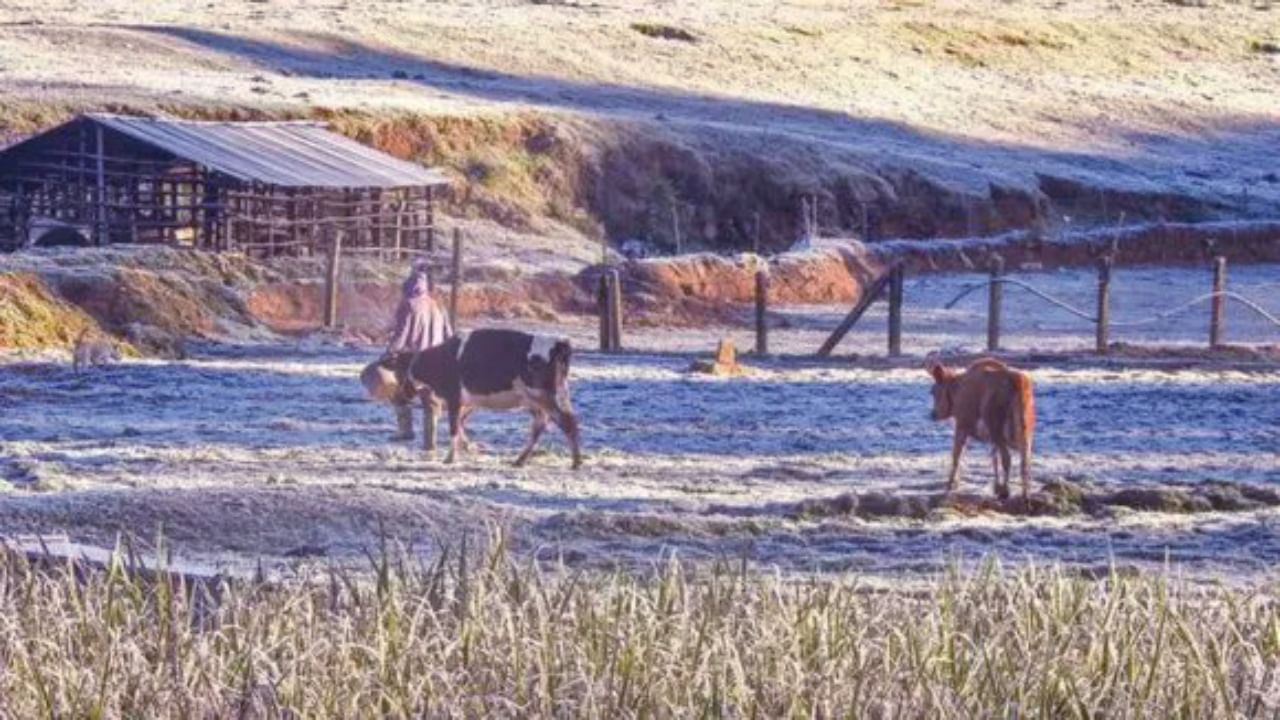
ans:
(990, 402)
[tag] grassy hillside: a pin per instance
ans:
(913, 118)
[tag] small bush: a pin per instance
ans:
(664, 32)
(1266, 47)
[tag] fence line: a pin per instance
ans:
(1090, 317)
(1100, 319)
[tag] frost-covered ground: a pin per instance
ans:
(272, 451)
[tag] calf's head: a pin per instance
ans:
(943, 390)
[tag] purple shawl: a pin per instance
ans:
(419, 322)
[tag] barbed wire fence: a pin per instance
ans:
(889, 284)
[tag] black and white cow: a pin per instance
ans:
(496, 370)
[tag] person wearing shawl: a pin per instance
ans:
(419, 324)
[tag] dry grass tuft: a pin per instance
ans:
(32, 316)
(482, 635)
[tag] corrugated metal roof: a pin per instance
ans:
(287, 154)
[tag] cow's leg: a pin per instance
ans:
(430, 419)
(455, 428)
(404, 421)
(467, 443)
(568, 423)
(957, 452)
(535, 433)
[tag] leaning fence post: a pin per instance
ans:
(895, 309)
(994, 298)
(456, 279)
(762, 305)
(1104, 305)
(331, 280)
(1219, 306)
(615, 309)
(602, 306)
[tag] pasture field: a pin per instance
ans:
(766, 545)
(270, 452)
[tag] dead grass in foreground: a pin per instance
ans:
(485, 636)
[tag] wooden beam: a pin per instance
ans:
(872, 294)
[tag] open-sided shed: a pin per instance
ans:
(264, 188)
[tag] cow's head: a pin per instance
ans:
(549, 366)
(943, 390)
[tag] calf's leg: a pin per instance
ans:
(957, 452)
(1000, 491)
(1002, 449)
(1024, 449)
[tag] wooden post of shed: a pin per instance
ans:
(1103, 320)
(896, 277)
(456, 278)
(995, 299)
(762, 306)
(615, 309)
(1218, 305)
(101, 235)
(331, 279)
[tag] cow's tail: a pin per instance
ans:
(1023, 419)
(1025, 414)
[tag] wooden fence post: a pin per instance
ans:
(895, 309)
(602, 306)
(995, 299)
(675, 227)
(331, 279)
(456, 279)
(1219, 305)
(762, 305)
(615, 310)
(1104, 305)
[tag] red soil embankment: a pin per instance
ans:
(367, 308)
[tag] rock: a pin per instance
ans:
(725, 363)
